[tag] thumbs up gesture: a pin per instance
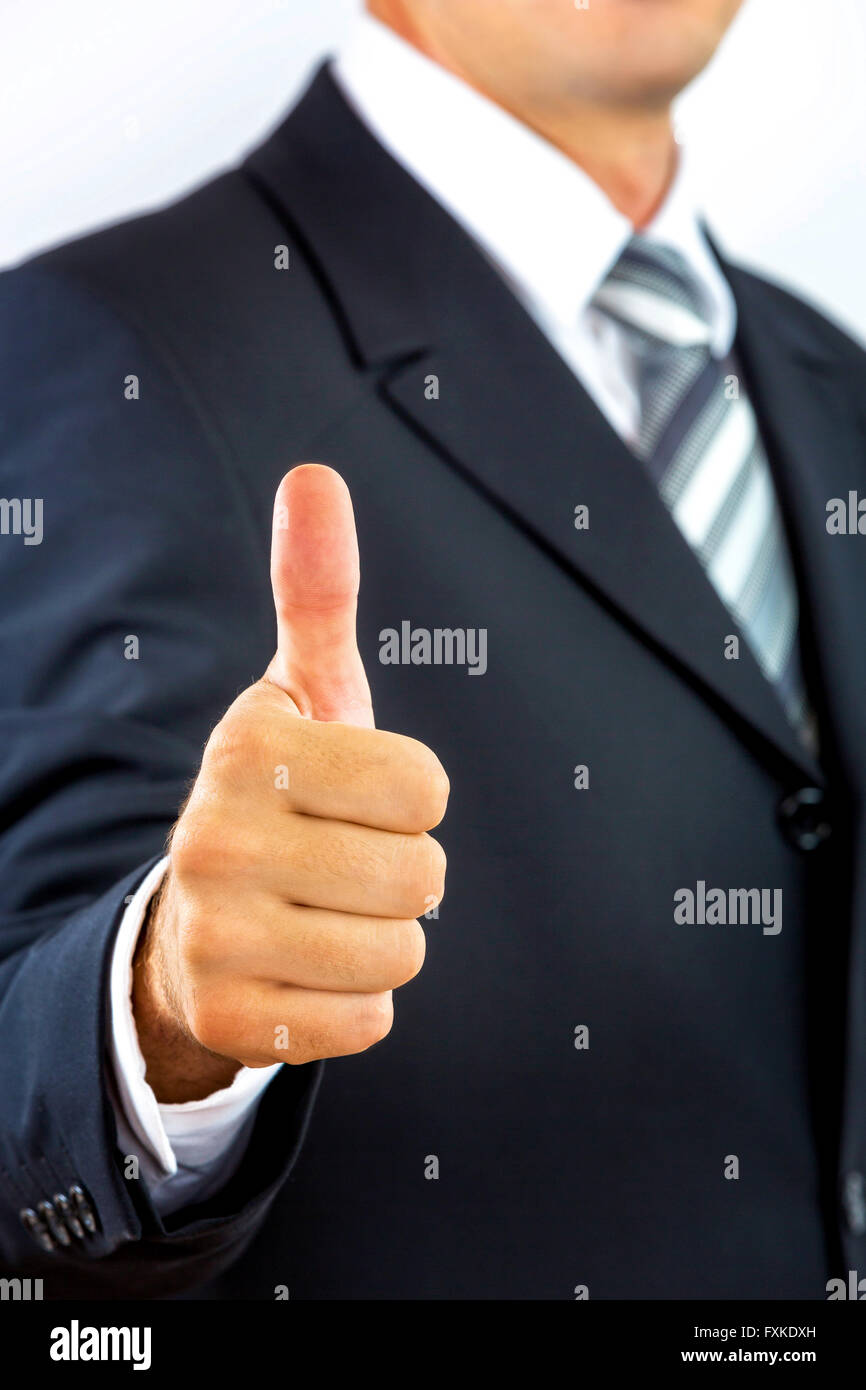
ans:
(301, 859)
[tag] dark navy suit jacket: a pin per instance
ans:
(559, 1166)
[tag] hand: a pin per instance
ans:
(301, 858)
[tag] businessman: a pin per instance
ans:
(551, 493)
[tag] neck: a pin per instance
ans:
(628, 151)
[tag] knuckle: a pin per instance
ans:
(438, 863)
(408, 951)
(226, 739)
(194, 847)
(374, 1020)
(206, 937)
(426, 785)
(425, 879)
(211, 1024)
(368, 1022)
(240, 736)
(192, 942)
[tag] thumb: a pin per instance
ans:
(315, 573)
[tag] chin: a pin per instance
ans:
(650, 73)
(642, 50)
(658, 87)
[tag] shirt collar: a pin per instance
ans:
(542, 221)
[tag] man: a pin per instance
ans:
(590, 464)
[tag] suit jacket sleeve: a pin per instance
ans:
(117, 658)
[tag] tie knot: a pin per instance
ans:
(651, 290)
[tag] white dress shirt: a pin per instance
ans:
(553, 235)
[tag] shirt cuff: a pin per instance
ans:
(186, 1151)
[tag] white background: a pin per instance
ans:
(107, 107)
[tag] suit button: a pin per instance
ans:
(36, 1227)
(84, 1210)
(803, 818)
(67, 1215)
(854, 1203)
(53, 1222)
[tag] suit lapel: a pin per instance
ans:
(541, 448)
(817, 447)
(418, 299)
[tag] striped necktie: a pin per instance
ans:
(699, 439)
